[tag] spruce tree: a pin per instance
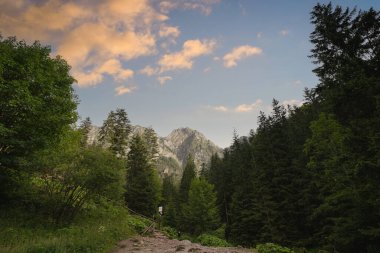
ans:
(84, 129)
(187, 177)
(142, 187)
(115, 132)
(200, 213)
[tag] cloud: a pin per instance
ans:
(204, 6)
(163, 79)
(242, 108)
(284, 32)
(297, 82)
(220, 108)
(184, 58)
(95, 37)
(259, 35)
(238, 53)
(169, 31)
(149, 71)
(292, 102)
(249, 107)
(121, 90)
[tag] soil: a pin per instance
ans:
(159, 243)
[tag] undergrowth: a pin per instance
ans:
(98, 229)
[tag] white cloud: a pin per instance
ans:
(220, 108)
(238, 53)
(184, 58)
(249, 107)
(204, 6)
(242, 108)
(284, 32)
(292, 102)
(259, 35)
(163, 79)
(121, 90)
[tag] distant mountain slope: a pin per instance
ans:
(175, 148)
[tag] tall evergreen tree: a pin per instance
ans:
(143, 186)
(200, 213)
(187, 177)
(84, 129)
(115, 132)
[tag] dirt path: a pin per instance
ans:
(158, 243)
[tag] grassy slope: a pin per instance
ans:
(98, 229)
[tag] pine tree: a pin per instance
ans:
(187, 177)
(143, 187)
(85, 128)
(115, 132)
(151, 140)
(200, 213)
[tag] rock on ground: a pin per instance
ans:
(159, 243)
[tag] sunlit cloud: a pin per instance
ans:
(184, 59)
(121, 90)
(284, 32)
(249, 107)
(163, 79)
(204, 6)
(149, 71)
(257, 106)
(230, 60)
(92, 37)
(169, 31)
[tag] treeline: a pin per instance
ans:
(309, 176)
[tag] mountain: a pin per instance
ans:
(175, 148)
(178, 145)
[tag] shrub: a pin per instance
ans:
(272, 248)
(170, 232)
(210, 240)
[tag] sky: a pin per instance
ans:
(211, 65)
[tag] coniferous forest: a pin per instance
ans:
(307, 178)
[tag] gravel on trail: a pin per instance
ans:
(159, 243)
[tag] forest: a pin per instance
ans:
(306, 179)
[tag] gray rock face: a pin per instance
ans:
(175, 148)
(178, 145)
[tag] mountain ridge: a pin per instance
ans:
(175, 148)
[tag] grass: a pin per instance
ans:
(98, 229)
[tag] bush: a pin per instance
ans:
(210, 240)
(170, 232)
(272, 248)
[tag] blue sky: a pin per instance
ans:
(211, 65)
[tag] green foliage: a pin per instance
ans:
(187, 176)
(170, 232)
(213, 241)
(96, 230)
(37, 105)
(200, 213)
(143, 189)
(115, 131)
(272, 248)
(73, 176)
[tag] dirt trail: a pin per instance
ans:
(159, 243)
